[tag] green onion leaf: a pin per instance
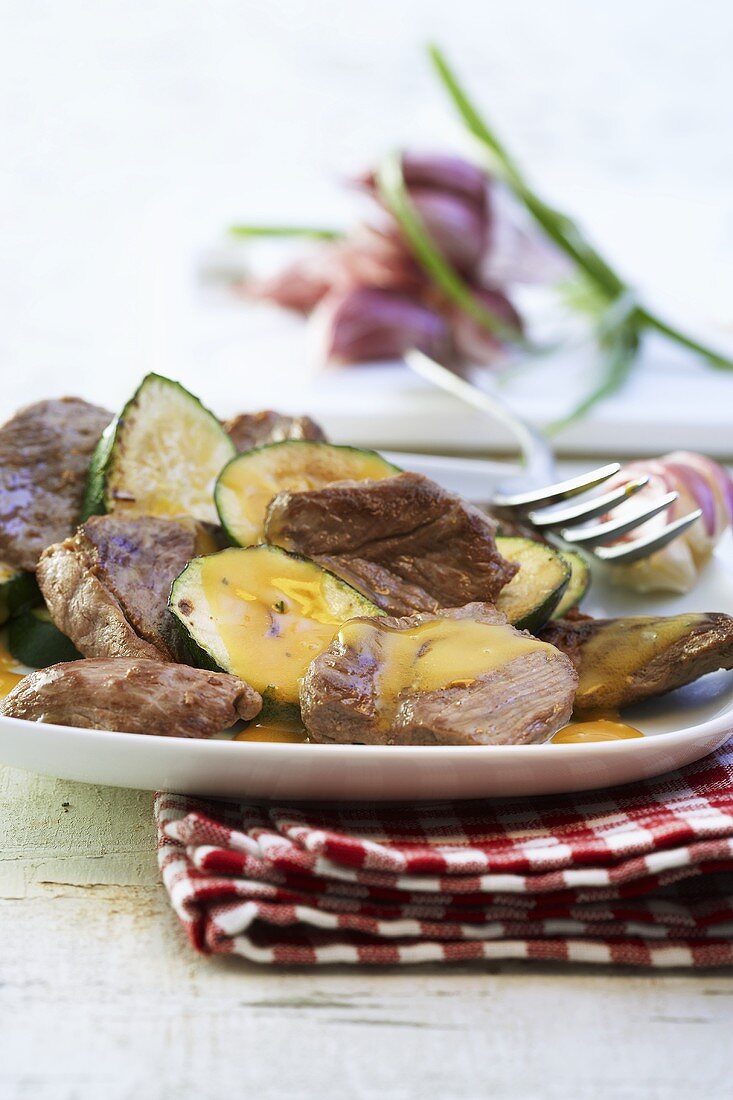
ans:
(713, 358)
(313, 232)
(395, 196)
(569, 238)
(561, 229)
(618, 365)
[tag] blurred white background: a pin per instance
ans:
(134, 131)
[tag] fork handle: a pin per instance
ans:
(538, 465)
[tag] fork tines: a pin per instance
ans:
(561, 490)
(629, 552)
(572, 523)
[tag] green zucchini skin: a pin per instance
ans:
(300, 450)
(96, 500)
(534, 593)
(34, 640)
(578, 585)
(197, 655)
(93, 503)
(275, 709)
(18, 593)
(186, 646)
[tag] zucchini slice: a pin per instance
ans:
(578, 584)
(161, 456)
(534, 592)
(262, 614)
(35, 641)
(18, 591)
(250, 481)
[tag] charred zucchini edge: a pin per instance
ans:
(201, 655)
(18, 591)
(578, 584)
(111, 443)
(252, 457)
(535, 591)
(35, 641)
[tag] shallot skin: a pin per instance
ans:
(367, 297)
(701, 483)
(364, 324)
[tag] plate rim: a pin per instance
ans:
(717, 728)
(718, 725)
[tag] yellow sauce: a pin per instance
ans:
(9, 676)
(440, 653)
(7, 571)
(598, 729)
(205, 538)
(614, 653)
(244, 497)
(272, 730)
(272, 616)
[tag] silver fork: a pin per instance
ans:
(533, 494)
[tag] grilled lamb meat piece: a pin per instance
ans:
(405, 542)
(133, 696)
(427, 680)
(250, 430)
(107, 587)
(622, 661)
(44, 455)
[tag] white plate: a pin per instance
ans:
(679, 729)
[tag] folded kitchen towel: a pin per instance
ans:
(639, 875)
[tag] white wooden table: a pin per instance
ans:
(101, 996)
(117, 114)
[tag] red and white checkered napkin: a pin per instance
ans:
(639, 874)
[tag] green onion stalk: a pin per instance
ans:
(625, 318)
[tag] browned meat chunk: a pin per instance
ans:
(405, 542)
(460, 677)
(250, 430)
(107, 587)
(44, 456)
(133, 696)
(622, 661)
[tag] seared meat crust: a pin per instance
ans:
(524, 701)
(250, 430)
(107, 587)
(133, 696)
(44, 456)
(700, 646)
(405, 542)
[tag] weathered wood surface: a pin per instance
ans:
(100, 996)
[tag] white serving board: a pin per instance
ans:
(261, 356)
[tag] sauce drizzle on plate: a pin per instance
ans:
(594, 729)
(273, 729)
(9, 674)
